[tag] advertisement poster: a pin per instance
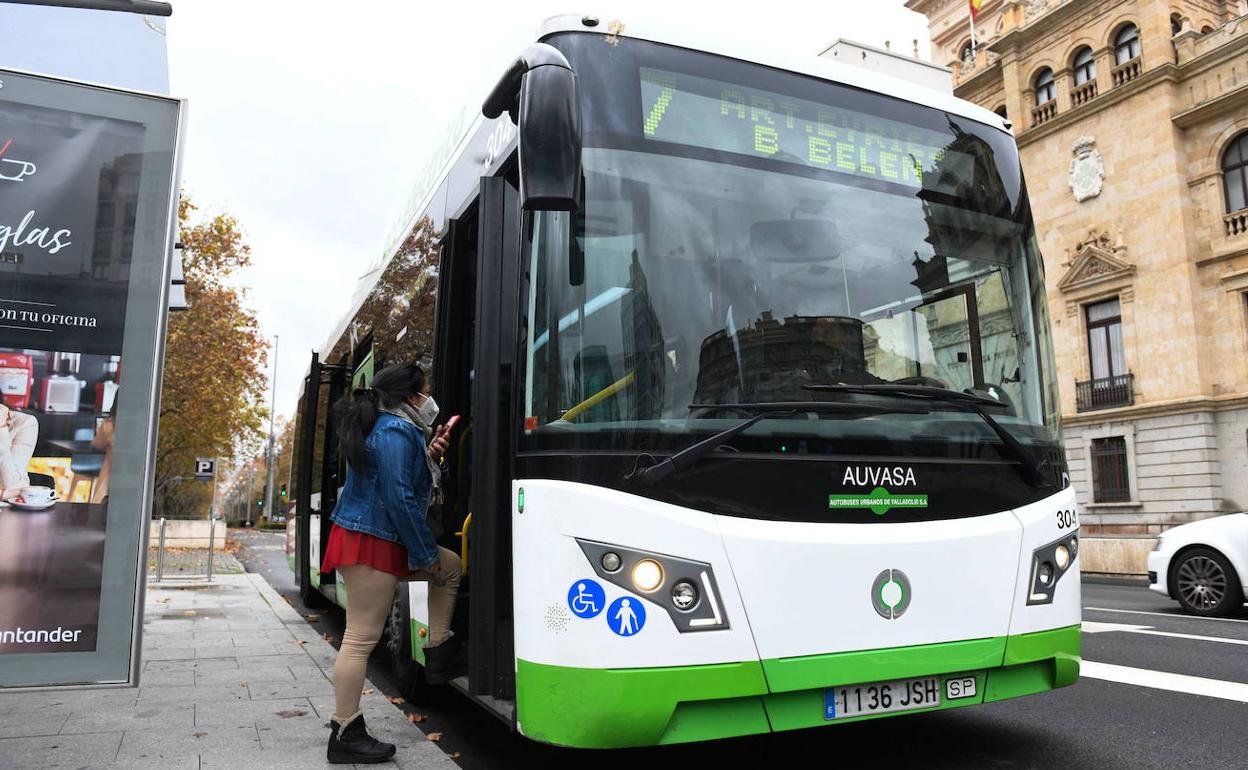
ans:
(85, 206)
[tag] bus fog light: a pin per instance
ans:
(1061, 555)
(684, 595)
(1046, 574)
(647, 575)
(1074, 545)
(611, 561)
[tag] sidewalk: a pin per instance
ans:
(232, 677)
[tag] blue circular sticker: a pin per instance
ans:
(586, 598)
(626, 616)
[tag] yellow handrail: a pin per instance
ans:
(463, 545)
(599, 397)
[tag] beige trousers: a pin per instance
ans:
(370, 593)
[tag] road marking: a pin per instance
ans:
(1161, 680)
(1100, 628)
(1166, 615)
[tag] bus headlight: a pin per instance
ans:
(1048, 564)
(647, 575)
(693, 600)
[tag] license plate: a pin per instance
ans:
(854, 700)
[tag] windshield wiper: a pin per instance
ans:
(1029, 464)
(682, 459)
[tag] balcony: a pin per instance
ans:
(1126, 72)
(1236, 223)
(1105, 393)
(1044, 112)
(1083, 94)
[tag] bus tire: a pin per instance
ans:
(396, 642)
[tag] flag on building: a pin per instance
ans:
(975, 6)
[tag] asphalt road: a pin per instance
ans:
(1125, 712)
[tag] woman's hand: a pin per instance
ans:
(439, 444)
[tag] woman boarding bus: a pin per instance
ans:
(761, 421)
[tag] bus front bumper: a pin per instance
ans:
(609, 708)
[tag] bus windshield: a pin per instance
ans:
(748, 235)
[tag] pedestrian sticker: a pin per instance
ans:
(626, 616)
(586, 598)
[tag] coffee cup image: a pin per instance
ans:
(15, 170)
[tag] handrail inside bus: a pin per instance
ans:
(599, 397)
(463, 544)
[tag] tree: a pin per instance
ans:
(212, 394)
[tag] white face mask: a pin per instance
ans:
(428, 411)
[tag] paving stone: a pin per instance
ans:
(261, 711)
(191, 741)
(31, 722)
(250, 674)
(60, 752)
(282, 690)
(142, 717)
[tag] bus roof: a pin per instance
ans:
(461, 158)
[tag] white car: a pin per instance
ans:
(1203, 565)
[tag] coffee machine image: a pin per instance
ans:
(17, 379)
(61, 390)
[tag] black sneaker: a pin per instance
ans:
(351, 744)
(446, 661)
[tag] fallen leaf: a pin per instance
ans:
(165, 600)
(198, 735)
(454, 755)
(435, 737)
(290, 713)
(189, 612)
(415, 718)
(312, 617)
(301, 641)
(367, 691)
(330, 638)
(396, 700)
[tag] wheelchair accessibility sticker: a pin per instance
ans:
(626, 616)
(586, 598)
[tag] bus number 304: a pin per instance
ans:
(1066, 519)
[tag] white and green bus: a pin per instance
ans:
(760, 420)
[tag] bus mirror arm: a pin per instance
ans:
(540, 93)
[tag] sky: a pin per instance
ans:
(311, 123)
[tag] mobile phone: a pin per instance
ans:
(450, 424)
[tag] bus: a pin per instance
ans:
(760, 421)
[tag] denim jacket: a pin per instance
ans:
(390, 497)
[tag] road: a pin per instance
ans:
(1127, 711)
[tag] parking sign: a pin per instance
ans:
(205, 468)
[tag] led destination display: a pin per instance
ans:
(715, 115)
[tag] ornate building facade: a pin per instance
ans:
(1131, 118)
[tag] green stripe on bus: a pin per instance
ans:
(610, 708)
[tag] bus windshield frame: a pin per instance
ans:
(749, 234)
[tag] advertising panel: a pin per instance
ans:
(87, 206)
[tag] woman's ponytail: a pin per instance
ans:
(356, 415)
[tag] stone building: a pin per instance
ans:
(1132, 122)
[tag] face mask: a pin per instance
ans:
(429, 410)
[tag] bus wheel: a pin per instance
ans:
(311, 597)
(397, 644)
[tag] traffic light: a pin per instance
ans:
(283, 491)
(260, 502)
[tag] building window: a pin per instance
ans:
(1110, 482)
(1176, 24)
(1001, 111)
(1127, 44)
(1105, 340)
(1045, 90)
(1235, 173)
(1085, 66)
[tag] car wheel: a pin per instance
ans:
(1205, 583)
(397, 641)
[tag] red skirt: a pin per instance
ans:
(347, 547)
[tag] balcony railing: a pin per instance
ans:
(1105, 393)
(1083, 94)
(1126, 72)
(1236, 223)
(1043, 112)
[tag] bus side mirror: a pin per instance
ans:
(539, 92)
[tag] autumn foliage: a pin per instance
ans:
(212, 396)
